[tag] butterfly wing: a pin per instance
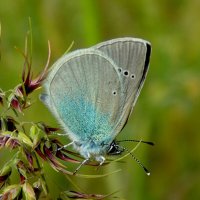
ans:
(132, 56)
(84, 92)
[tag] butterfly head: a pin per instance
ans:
(114, 149)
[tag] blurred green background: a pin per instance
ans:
(168, 109)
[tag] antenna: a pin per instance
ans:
(143, 167)
(146, 142)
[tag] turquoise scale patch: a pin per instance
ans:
(83, 119)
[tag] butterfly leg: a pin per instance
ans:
(65, 146)
(101, 160)
(82, 163)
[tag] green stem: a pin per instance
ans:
(41, 173)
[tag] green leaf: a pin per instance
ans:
(25, 139)
(6, 170)
(3, 124)
(11, 192)
(23, 172)
(9, 133)
(28, 191)
(36, 135)
(41, 184)
(32, 132)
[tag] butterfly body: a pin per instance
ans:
(92, 92)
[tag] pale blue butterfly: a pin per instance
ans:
(92, 93)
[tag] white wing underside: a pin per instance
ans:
(98, 76)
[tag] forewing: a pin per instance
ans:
(132, 58)
(85, 94)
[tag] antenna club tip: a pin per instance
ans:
(147, 171)
(152, 143)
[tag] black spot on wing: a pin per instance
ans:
(132, 76)
(126, 73)
(43, 98)
(119, 70)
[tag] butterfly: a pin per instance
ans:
(92, 93)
